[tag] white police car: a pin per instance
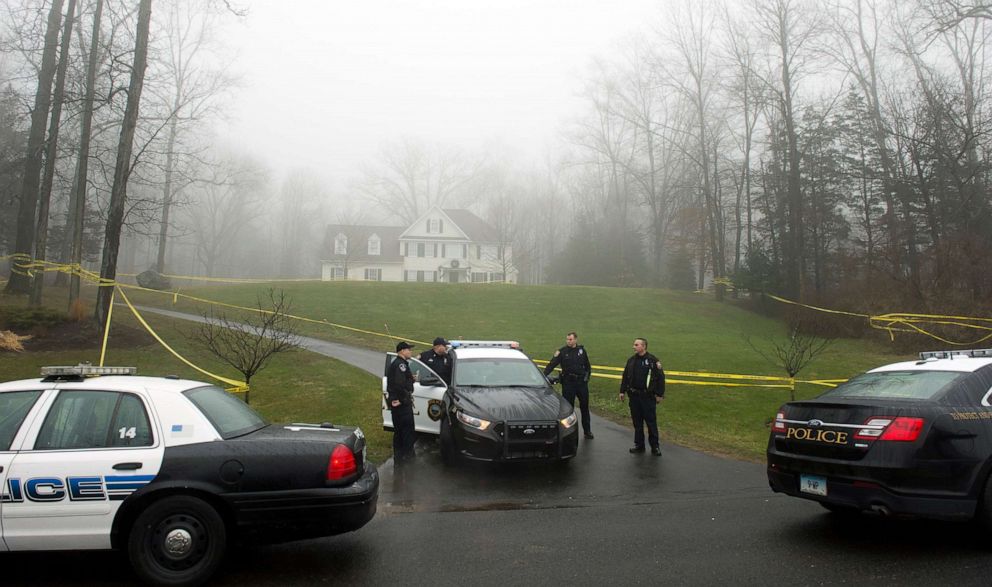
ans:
(168, 470)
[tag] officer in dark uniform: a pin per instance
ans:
(399, 397)
(575, 370)
(438, 360)
(644, 381)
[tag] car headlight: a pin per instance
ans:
(472, 420)
(569, 421)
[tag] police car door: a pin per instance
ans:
(15, 407)
(89, 451)
(428, 391)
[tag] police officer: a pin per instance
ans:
(644, 381)
(575, 370)
(399, 397)
(438, 360)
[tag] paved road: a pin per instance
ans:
(607, 517)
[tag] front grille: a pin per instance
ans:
(531, 431)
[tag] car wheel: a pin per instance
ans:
(448, 453)
(178, 540)
(983, 515)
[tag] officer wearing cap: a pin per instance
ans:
(644, 381)
(438, 360)
(399, 397)
(575, 371)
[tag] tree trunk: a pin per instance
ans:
(20, 282)
(78, 199)
(122, 170)
(41, 235)
(163, 232)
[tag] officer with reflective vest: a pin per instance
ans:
(399, 398)
(438, 360)
(644, 381)
(575, 371)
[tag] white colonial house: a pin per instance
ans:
(450, 246)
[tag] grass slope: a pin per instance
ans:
(689, 332)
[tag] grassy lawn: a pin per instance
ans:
(295, 387)
(689, 332)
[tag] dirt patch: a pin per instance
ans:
(71, 335)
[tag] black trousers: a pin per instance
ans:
(643, 410)
(404, 433)
(578, 389)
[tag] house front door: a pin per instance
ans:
(453, 276)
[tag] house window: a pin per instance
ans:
(409, 275)
(375, 245)
(435, 226)
(421, 248)
(340, 245)
(478, 277)
(420, 276)
(339, 273)
(373, 274)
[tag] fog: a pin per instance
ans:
(325, 84)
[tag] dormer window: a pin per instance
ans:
(434, 226)
(375, 244)
(340, 244)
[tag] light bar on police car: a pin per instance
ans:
(972, 353)
(502, 344)
(84, 369)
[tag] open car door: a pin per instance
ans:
(428, 394)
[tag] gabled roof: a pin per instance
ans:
(475, 228)
(358, 243)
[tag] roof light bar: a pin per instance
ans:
(973, 353)
(502, 344)
(86, 370)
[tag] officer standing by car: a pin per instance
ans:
(644, 381)
(399, 395)
(575, 371)
(438, 360)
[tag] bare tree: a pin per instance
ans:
(122, 170)
(800, 347)
(19, 282)
(409, 178)
(248, 343)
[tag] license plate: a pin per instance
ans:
(813, 484)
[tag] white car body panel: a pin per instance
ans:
(424, 396)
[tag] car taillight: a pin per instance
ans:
(894, 429)
(779, 424)
(342, 463)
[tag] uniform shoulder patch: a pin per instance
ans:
(557, 353)
(581, 350)
(402, 367)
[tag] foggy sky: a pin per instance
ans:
(326, 82)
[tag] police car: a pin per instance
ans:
(908, 438)
(499, 407)
(170, 471)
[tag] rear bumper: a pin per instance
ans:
(854, 488)
(283, 516)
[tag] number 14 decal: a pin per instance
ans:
(128, 432)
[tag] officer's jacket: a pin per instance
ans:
(440, 364)
(574, 363)
(643, 374)
(399, 383)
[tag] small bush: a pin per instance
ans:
(31, 319)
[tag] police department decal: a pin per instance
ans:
(435, 409)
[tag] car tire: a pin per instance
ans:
(179, 540)
(447, 439)
(983, 514)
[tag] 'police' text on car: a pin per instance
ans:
(168, 470)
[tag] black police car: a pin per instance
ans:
(500, 407)
(908, 438)
(168, 470)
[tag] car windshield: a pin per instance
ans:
(229, 415)
(497, 373)
(922, 385)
